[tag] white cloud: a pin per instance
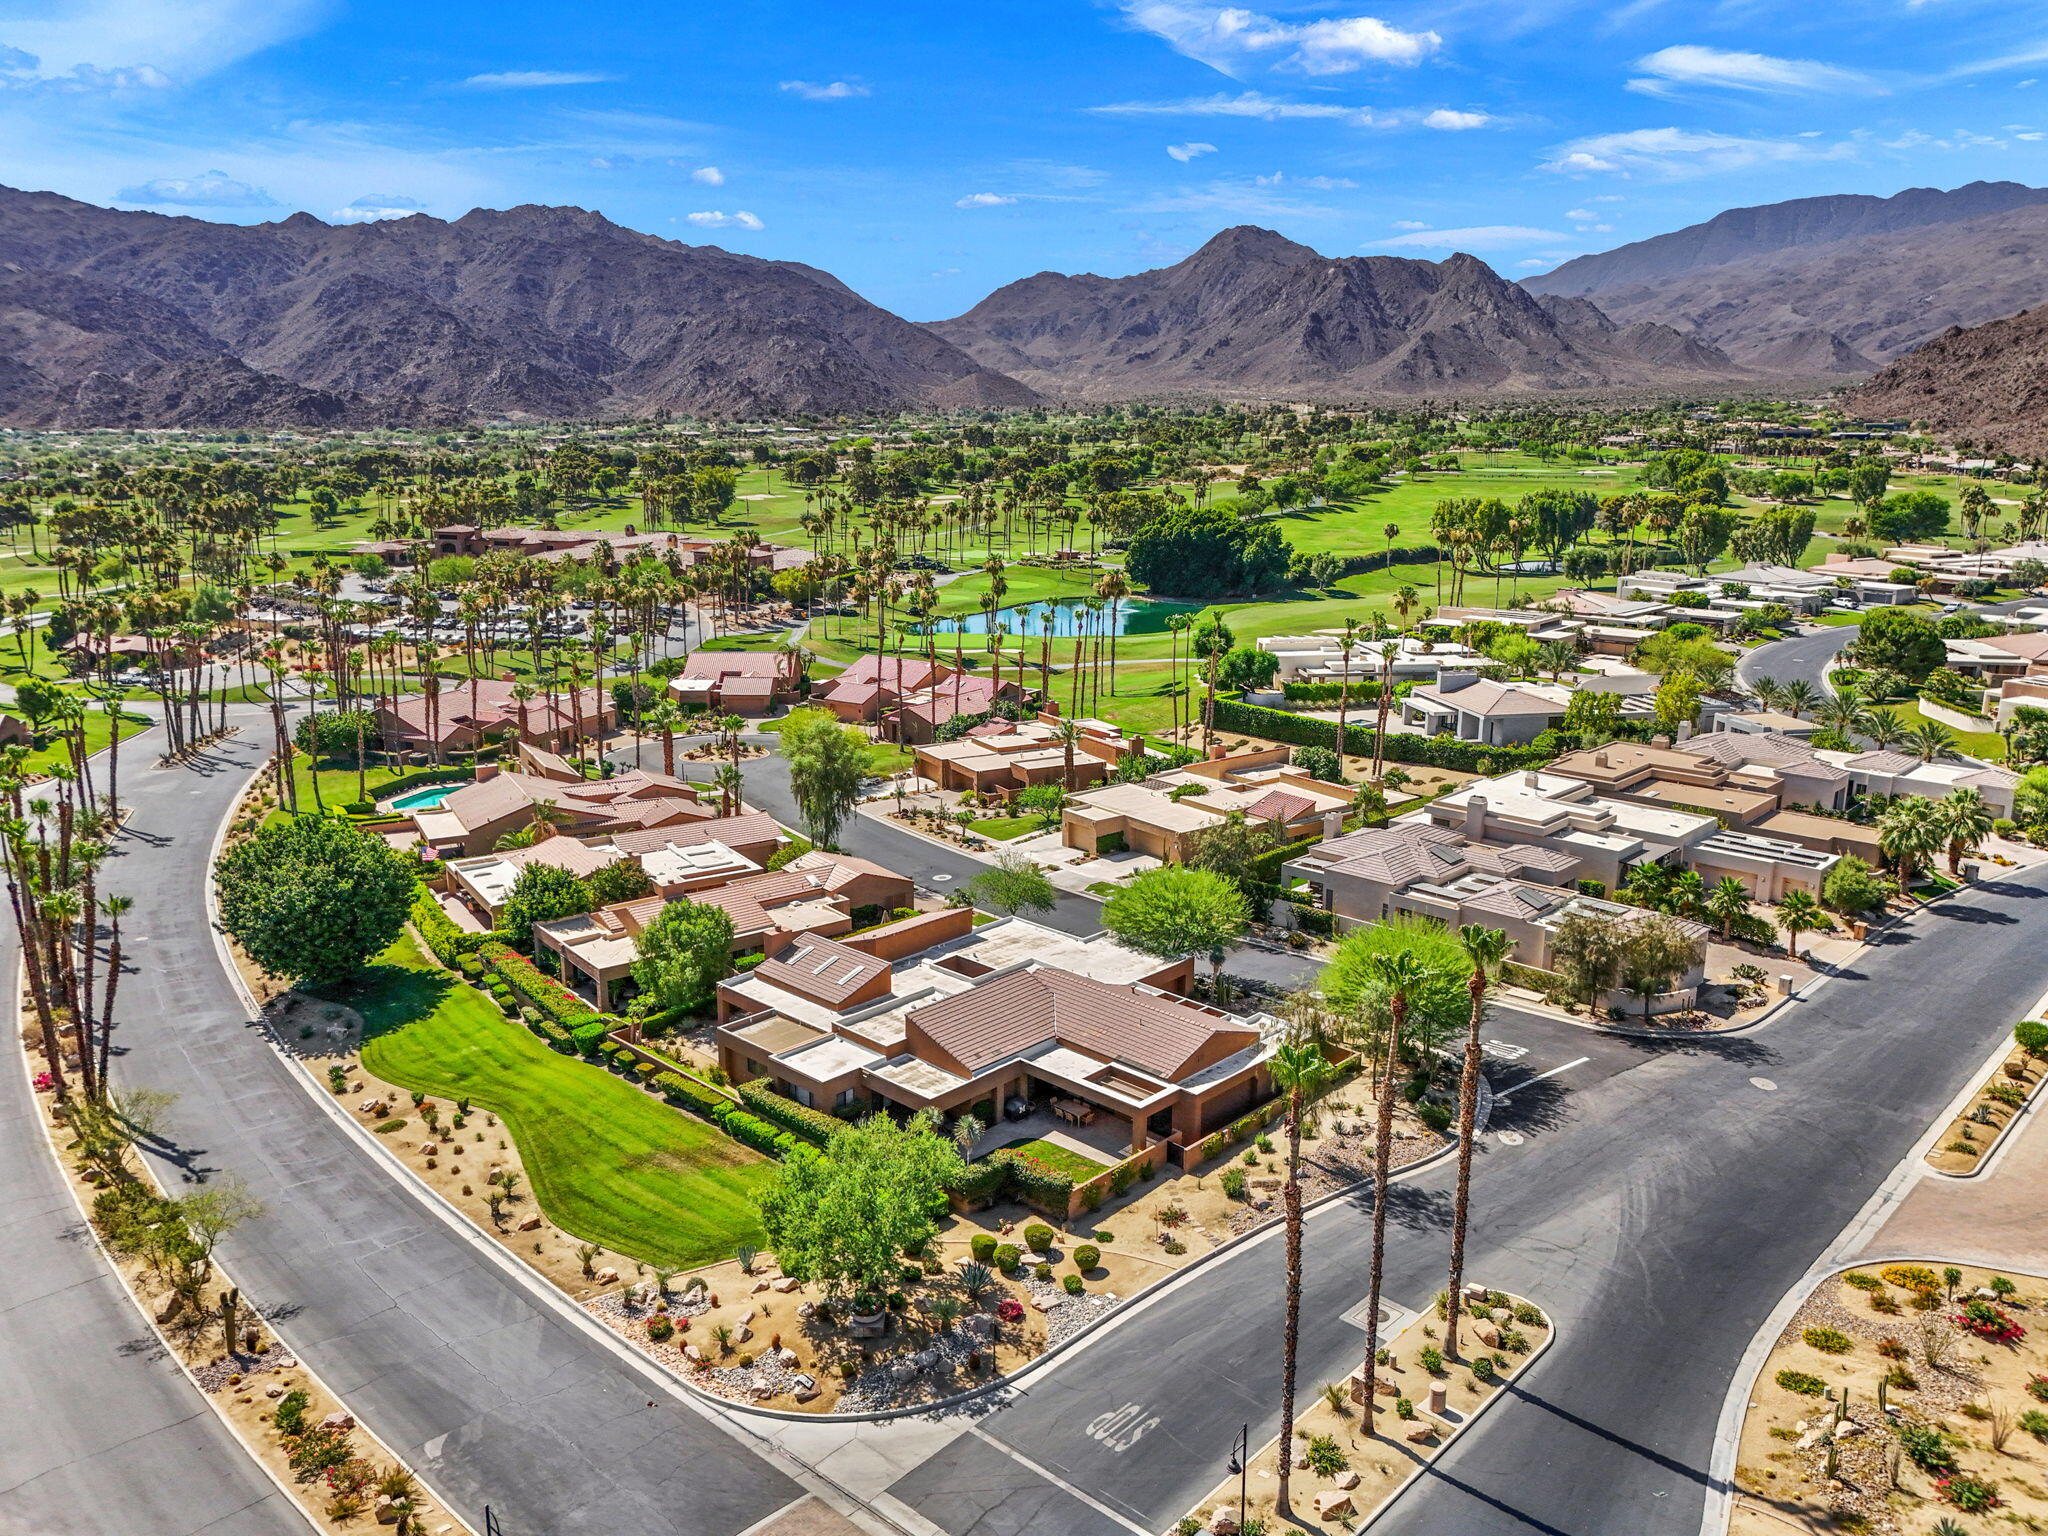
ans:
(709, 175)
(1533, 265)
(100, 44)
(717, 220)
(1244, 199)
(1478, 237)
(1186, 152)
(1681, 152)
(1228, 39)
(835, 90)
(1580, 213)
(984, 200)
(372, 206)
(1455, 122)
(523, 79)
(209, 189)
(1958, 138)
(1244, 104)
(1690, 64)
(1315, 183)
(1409, 224)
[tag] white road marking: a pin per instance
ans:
(1509, 1138)
(1508, 1093)
(1505, 1051)
(1057, 1481)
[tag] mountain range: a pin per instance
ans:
(1828, 284)
(1253, 314)
(1988, 384)
(130, 319)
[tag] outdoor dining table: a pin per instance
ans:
(1073, 1111)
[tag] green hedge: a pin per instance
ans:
(1367, 692)
(448, 943)
(811, 1124)
(688, 1093)
(1265, 867)
(1009, 1173)
(1425, 751)
(556, 1002)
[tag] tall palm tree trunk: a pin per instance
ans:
(1382, 1167)
(1468, 1114)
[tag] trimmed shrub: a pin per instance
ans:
(1038, 1237)
(588, 1037)
(1008, 1256)
(983, 1246)
(804, 1121)
(1087, 1256)
(688, 1093)
(1804, 1384)
(446, 942)
(1073, 1285)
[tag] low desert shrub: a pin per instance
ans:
(1038, 1237)
(1802, 1382)
(1073, 1285)
(983, 1246)
(1087, 1256)
(1829, 1341)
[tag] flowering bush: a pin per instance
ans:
(660, 1329)
(1010, 1310)
(1989, 1322)
(45, 1083)
(1969, 1494)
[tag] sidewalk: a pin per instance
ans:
(1993, 1219)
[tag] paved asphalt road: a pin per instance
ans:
(1665, 1196)
(456, 1364)
(1802, 658)
(102, 1432)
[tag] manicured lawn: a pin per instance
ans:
(606, 1161)
(1003, 828)
(1065, 1160)
(1988, 745)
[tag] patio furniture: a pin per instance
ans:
(1073, 1111)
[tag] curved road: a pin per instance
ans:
(463, 1366)
(1802, 658)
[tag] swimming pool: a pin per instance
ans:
(424, 799)
(1064, 617)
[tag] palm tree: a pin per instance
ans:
(1882, 728)
(1931, 741)
(1488, 950)
(1396, 975)
(1799, 913)
(1799, 696)
(1301, 1071)
(1727, 901)
(1844, 711)
(1964, 821)
(1770, 693)
(1557, 657)
(1907, 833)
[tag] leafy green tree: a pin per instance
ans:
(1014, 885)
(1437, 1001)
(1175, 912)
(1319, 763)
(542, 893)
(1908, 518)
(1852, 887)
(1655, 951)
(828, 766)
(313, 898)
(1586, 949)
(683, 955)
(1207, 552)
(38, 699)
(1231, 848)
(338, 734)
(1045, 801)
(843, 1221)
(623, 880)
(1899, 640)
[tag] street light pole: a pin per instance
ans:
(1240, 1463)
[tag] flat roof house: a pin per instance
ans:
(751, 683)
(1160, 815)
(1003, 756)
(1358, 877)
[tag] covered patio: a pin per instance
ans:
(1106, 1139)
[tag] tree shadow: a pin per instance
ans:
(1536, 1106)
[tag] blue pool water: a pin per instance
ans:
(1135, 616)
(424, 799)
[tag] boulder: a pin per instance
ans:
(429, 1148)
(1488, 1335)
(1345, 1479)
(1384, 1387)
(785, 1285)
(806, 1311)
(1301, 1461)
(386, 1510)
(1334, 1504)
(693, 1354)
(901, 1371)
(805, 1382)
(1223, 1522)
(786, 1357)
(1423, 1436)
(607, 1276)
(805, 1394)
(757, 1287)
(745, 1317)
(339, 1420)
(529, 1223)
(742, 1334)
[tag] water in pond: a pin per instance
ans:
(1069, 616)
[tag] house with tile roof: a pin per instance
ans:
(1161, 815)
(1001, 757)
(997, 1021)
(461, 717)
(473, 818)
(1897, 773)
(1473, 708)
(750, 683)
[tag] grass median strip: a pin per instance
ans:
(607, 1162)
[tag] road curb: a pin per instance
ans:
(1840, 1254)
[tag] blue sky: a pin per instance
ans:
(927, 153)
